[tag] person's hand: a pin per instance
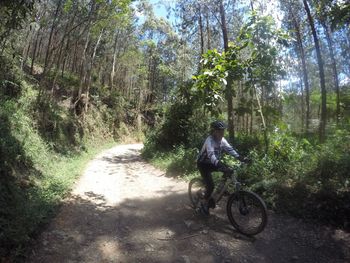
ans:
(244, 159)
(224, 168)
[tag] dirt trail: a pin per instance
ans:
(125, 210)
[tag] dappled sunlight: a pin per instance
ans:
(138, 215)
(108, 247)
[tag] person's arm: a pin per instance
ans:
(211, 152)
(226, 147)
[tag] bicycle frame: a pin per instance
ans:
(239, 204)
(219, 192)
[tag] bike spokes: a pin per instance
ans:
(247, 213)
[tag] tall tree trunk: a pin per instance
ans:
(114, 59)
(66, 34)
(34, 51)
(266, 139)
(83, 66)
(50, 36)
(26, 49)
(65, 56)
(201, 31)
(322, 128)
(251, 116)
(304, 69)
(75, 58)
(58, 58)
(208, 30)
(252, 5)
(302, 102)
(88, 84)
(334, 69)
(229, 96)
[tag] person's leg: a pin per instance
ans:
(205, 171)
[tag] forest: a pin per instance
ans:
(77, 76)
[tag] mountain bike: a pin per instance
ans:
(246, 210)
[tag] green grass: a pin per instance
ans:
(34, 207)
(36, 171)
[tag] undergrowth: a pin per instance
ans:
(297, 175)
(43, 149)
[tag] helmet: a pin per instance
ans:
(218, 125)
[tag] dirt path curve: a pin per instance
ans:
(125, 210)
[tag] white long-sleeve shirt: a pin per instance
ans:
(212, 149)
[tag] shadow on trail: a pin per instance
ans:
(130, 157)
(166, 230)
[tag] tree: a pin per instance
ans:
(229, 95)
(321, 7)
(296, 25)
(253, 60)
(13, 14)
(322, 127)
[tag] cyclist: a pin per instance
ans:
(209, 160)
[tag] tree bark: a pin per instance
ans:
(66, 34)
(88, 84)
(322, 127)
(302, 102)
(82, 65)
(208, 31)
(26, 49)
(304, 69)
(334, 70)
(34, 51)
(201, 31)
(229, 96)
(252, 5)
(262, 120)
(114, 59)
(50, 37)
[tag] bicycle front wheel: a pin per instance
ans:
(196, 190)
(247, 212)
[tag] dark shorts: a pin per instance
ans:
(206, 169)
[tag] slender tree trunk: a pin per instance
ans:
(25, 58)
(334, 70)
(322, 128)
(208, 31)
(82, 65)
(66, 34)
(90, 70)
(262, 120)
(50, 36)
(304, 69)
(252, 5)
(26, 47)
(114, 59)
(75, 58)
(65, 56)
(40, 47)
(302, 102)
(34, 51)
(229, 95)
(201, 31)
(58, 60)
(251, 116)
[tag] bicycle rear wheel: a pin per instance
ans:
(196, 190)
(247, 212)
